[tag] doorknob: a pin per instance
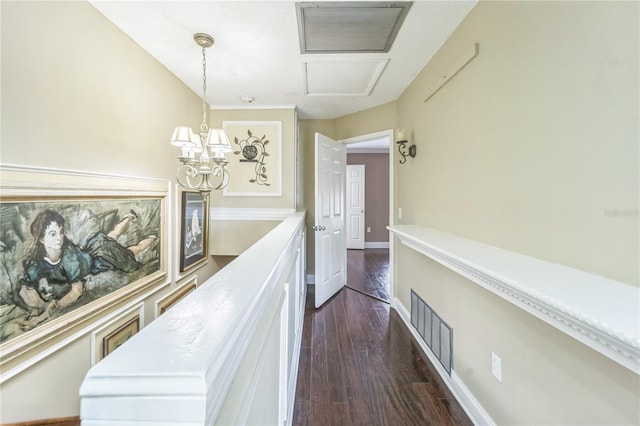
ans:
(318, 228)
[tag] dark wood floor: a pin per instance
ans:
(359, 365)
(368, 272)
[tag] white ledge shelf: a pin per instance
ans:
(601, 313)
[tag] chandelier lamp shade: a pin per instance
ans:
(202, 153)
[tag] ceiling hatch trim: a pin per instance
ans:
(336, 76)
(349, 27)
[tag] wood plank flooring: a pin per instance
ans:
(368, 272)
(359, 365)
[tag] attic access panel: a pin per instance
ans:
(349, 27)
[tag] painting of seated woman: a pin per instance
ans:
(58, 256)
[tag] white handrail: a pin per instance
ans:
(180, 368)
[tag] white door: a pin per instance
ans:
(355, 206)
(331, 253)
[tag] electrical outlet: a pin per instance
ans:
(399, 213)
(496, 367)
(368, 229)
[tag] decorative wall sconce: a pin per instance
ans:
(402, 147)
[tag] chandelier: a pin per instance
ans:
(202, 153)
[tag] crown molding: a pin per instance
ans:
(252, 106)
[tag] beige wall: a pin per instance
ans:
(548, 378)
(532, 147)
(233, 237)
(371, 120)
(78, 94)
(376, 199)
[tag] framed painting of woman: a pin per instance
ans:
(72, 246)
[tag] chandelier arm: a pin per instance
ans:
(224, 173)
(195, 182)
(189, 173)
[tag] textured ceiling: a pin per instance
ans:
(257, 53)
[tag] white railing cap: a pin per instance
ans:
(189, 351)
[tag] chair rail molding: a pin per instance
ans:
(543, 289)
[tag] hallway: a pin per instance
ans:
(368, 272)
(359, 365)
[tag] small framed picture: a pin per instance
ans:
(194, 230)
(120, 335)
(176, 296)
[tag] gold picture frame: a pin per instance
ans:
(119, 336)
(176, 296)
(89, 204)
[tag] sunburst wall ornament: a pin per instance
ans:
(253, 150)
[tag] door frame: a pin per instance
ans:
(378, 135)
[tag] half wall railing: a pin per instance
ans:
(225, 354)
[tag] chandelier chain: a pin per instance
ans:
(203, 127)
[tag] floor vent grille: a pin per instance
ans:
(434, 331)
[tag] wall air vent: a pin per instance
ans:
(434, 331)
(349, 27)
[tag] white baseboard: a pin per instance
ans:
(463, 395)
(311, 279)
(376, 244)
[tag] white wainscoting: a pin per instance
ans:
(226, 352)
